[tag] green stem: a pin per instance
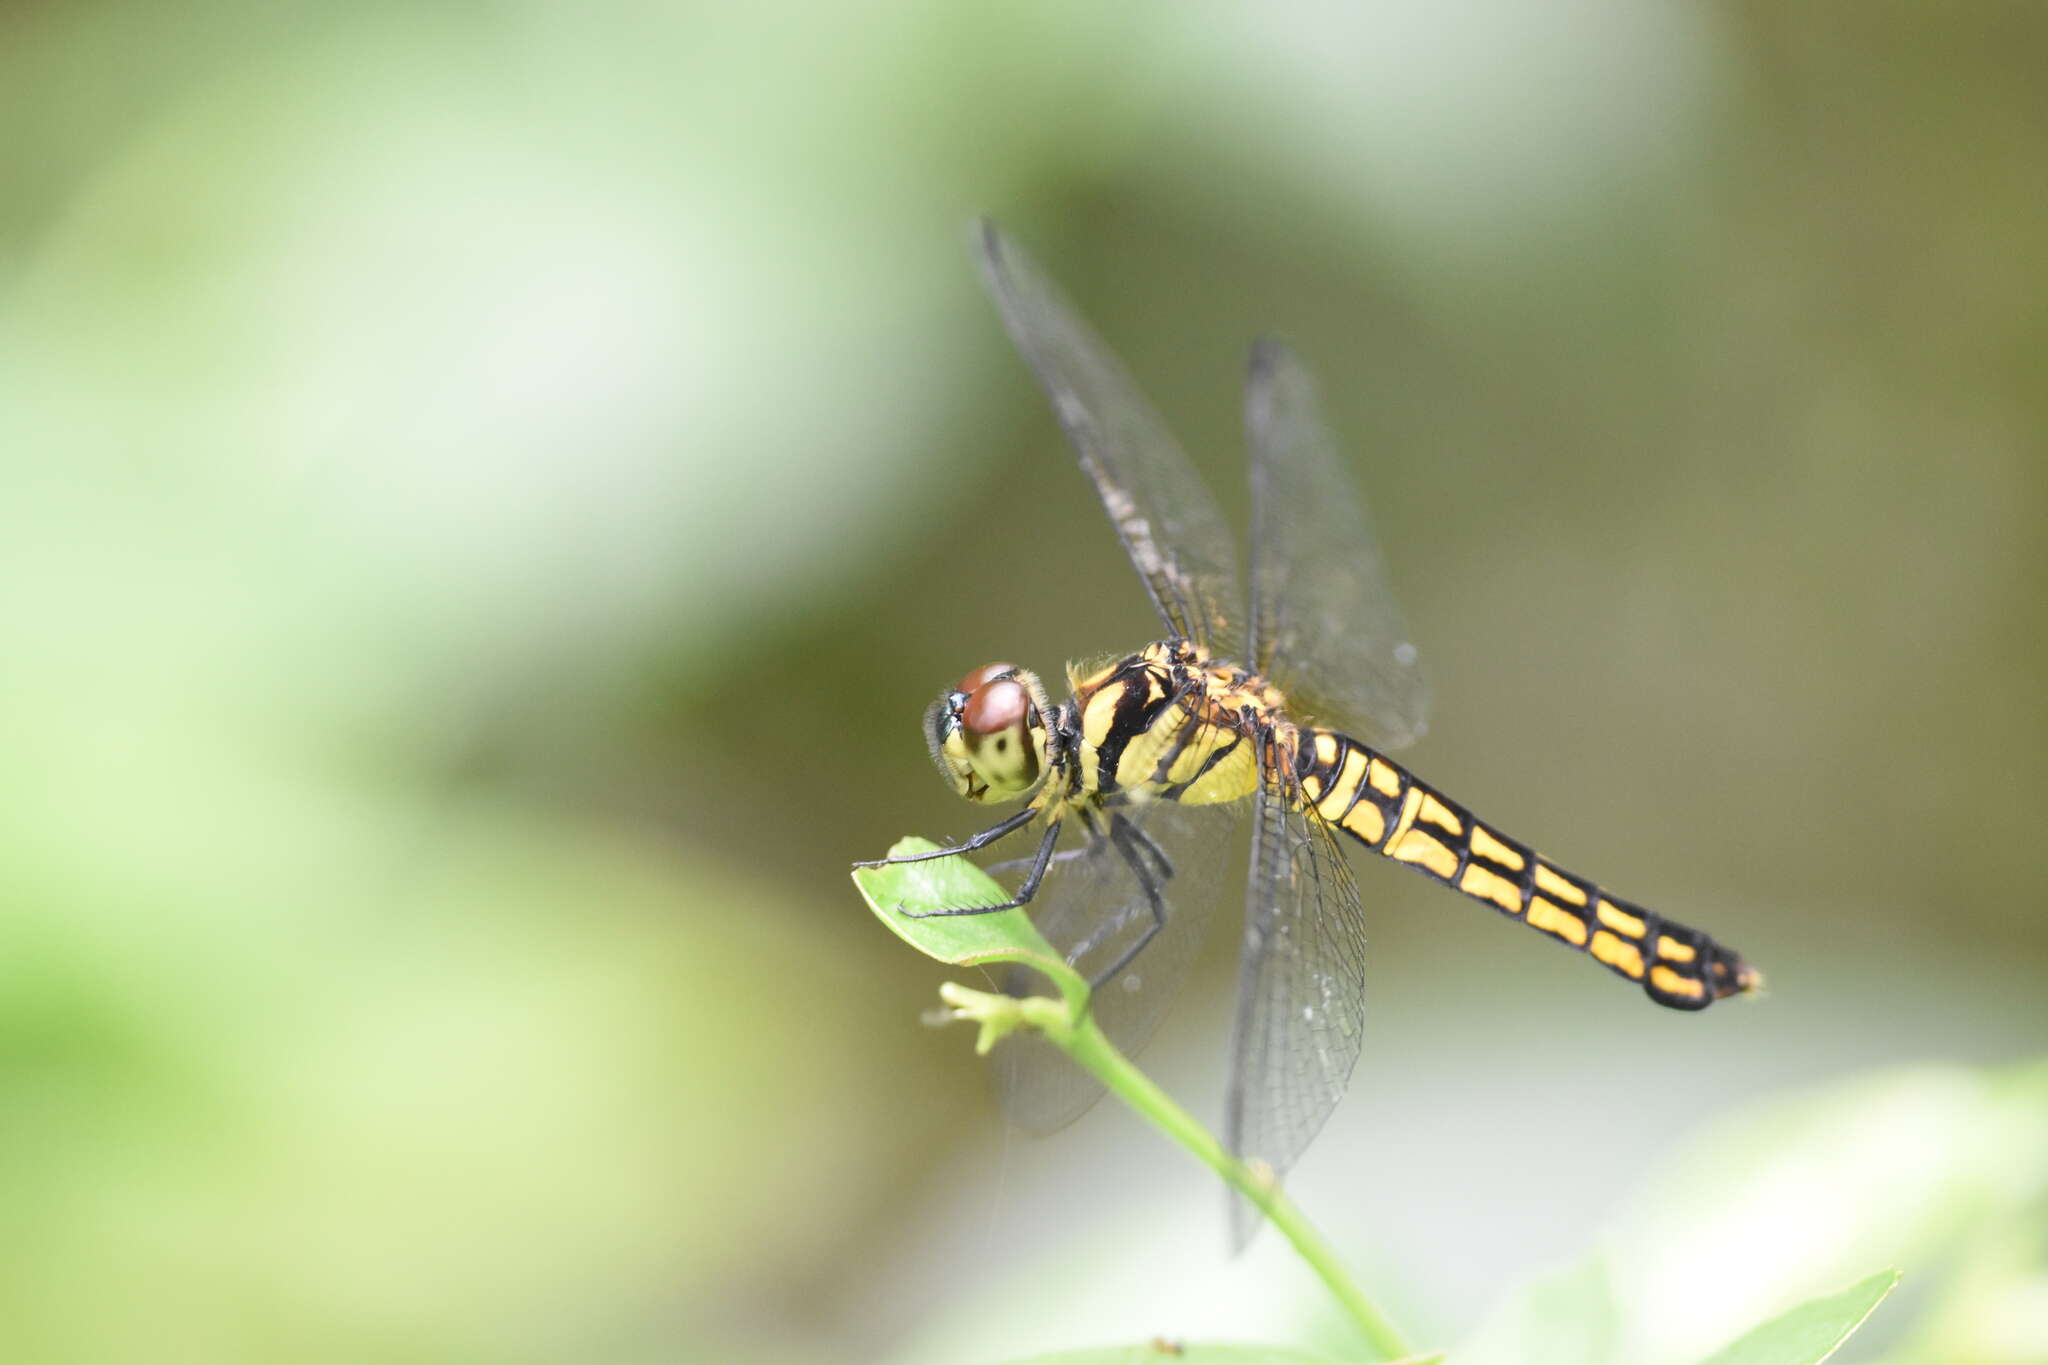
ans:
(1085, 1043)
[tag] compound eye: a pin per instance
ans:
(982, 676)
(995, 707)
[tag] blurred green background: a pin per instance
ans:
(486, 492)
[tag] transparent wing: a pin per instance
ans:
(1168, 523)
(1324, 623)
(1095, 904)
(1301, 994)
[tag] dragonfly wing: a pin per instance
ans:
(1324, 622)
(1094, 906)
(1169, 524)
(1301, 995)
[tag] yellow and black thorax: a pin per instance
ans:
(1169, 723)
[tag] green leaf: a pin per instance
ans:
(960, 940)
(1811, 1332)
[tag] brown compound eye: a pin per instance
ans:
(974, 681)
(994, 706)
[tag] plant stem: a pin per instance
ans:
(1085, 1043)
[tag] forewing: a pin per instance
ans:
(1168, 523)
(1324, 623)
(1095, 905)
(1301, 995)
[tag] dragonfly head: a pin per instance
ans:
(987, 733)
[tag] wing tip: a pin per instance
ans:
(1275, 362)
(1273, 369)
(1242, 1224)
(983, 232)
(991, 248)
(1270, 351)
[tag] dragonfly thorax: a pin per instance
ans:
(988, 733)
(1173, 723)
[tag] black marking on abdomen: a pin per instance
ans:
(1442, 839)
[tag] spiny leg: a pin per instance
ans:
(1163, 873)
(1128, 839)
(1088, 820)
(1102, 932)
(1160, 861)
(979, 841)
(1097, 837)
(1065, 855)
(1024, 893)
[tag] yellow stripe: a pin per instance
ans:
(1551, 920)
(1618, 953)
(1479, 882)
(1548, 881)
(1486, 846)
(1367, 821)
(1438, 814)
(1100, 714)
(1326, 749)
(1417, 847)
(1671, 983)
(1614, 917)
(1386, 778)
(1339, 795)
(1673, 949)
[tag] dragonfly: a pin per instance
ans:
(1287, 701)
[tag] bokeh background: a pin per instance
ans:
(486, 492)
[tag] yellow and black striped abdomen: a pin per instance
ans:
(1385, 808)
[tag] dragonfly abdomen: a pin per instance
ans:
(1390, 811)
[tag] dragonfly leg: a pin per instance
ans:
(979, 841)
(1103, 932)
(1128, 840)
(1065, 855)
(1158, 855)
(1024, 893)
